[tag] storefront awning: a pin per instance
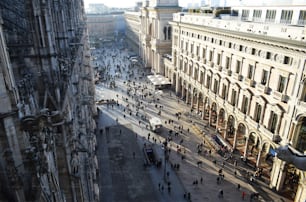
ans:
(158, 80)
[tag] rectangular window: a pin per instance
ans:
(257, 13)
(191, 48)
(257, 112)
(245, 104)
(302, 18)
(268, 56)
(281, 84)
(204, 53)
(273, 122)
(223, 91)
(210, 55)
(238, 66)
(215, 86)
(227, 62)
(233, 100)
(250, 72)
(218, 59)
(286, 16)
(264, 78)
(270, 16)
(287, 60)
(190, 70)
(245, 14)
(201, 77)
(208, 82)
(197, 50)
(195, 74)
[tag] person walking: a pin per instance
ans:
(243, 195)
(220, 193)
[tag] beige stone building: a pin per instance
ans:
(156, 32)
(245, 74)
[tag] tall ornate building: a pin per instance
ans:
(47, 141)
(245, 74)
(156, 32)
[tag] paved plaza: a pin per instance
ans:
(188, 175)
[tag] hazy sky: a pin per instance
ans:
(131, 3)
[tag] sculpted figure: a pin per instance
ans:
(288, 155)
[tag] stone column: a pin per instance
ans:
(177, 85)
(225, 129)
(235, 139)
(192, 96)
(209, 117)
(187, 95)
(203, 109)
(258, 157)
(198, 104)
(246, 147)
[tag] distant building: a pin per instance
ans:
(105, 26)
(97, 8)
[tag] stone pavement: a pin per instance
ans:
(123, 178)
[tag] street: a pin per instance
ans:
(193, 171)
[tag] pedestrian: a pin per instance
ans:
(243, 195)
(120, 131)
(218, 180)
(201, 180)
(221, 193)
(238, 186)
(158, 186)
(162, 187)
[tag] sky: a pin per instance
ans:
(184, 3)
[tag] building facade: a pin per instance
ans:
(245, 74)
(156, 32)
(132, 32)
(105, 26)
(47, 139)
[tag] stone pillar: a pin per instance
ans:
(198, 104)
(246, 147)
(177, 85)
(225, 129)
(183, 91)
(278, 174)
(209, 117)
(217, 124)
(300, 194)
(187, 95)
(235, 139)
(258, 161)
(203, 109)
(192, 99)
